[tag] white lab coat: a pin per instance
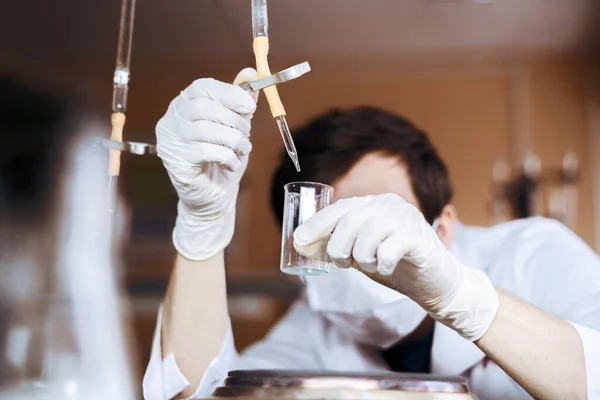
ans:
(537, 259)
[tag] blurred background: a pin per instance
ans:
(508, 90)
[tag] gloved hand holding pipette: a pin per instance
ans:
(204, 143)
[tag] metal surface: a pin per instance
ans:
(327, 385)
(283, 76)
(130, 147)
(295, 394)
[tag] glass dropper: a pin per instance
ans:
(119, 99)
(260, 31)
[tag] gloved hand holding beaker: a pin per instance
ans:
(390, 241)
(204, 143)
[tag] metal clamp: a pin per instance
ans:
(130, 147)
(282, 76)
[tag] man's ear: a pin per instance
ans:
(447, 221)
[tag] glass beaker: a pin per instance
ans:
(302, 200)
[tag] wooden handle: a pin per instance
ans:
(261, 50)
(117, 121)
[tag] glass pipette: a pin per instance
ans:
(287, 140)
(119, 98)
(260, 19)
(260, 28)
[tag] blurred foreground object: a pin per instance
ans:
(534, 191)
(62, 334)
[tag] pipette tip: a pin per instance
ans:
(294, 158)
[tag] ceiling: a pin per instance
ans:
(50, 31)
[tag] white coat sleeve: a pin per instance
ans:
(163, 378)
(289, 345)
(590, 339)
(563, 275)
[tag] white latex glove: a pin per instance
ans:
(390, 240)
(204, 142)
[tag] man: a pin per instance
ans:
(414, 299)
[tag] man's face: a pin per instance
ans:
(379, 174)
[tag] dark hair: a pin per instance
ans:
(33, 139)
(330, 145)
